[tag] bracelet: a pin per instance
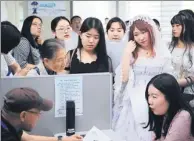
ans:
(187, 80)
(190, 79)
(191, 83)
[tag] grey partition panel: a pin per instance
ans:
(97, 102)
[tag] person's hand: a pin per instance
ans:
(73, 138)
(30, 66)
(23, 72)
(131, 46)
(40, 41)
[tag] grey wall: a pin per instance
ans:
(97, 102)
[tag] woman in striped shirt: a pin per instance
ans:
(27, 52)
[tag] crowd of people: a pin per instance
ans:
(153, 86)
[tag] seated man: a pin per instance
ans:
(21, 111)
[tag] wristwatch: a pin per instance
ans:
(60, 138)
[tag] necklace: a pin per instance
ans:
(148, 53)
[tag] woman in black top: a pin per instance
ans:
(90, 56)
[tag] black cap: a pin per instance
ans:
(24, 99)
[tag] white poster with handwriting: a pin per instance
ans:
(68, 88)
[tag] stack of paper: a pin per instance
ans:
(96, 135)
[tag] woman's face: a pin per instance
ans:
(57, 63)
(90, 39)
(176, 30)
(157, 101)
(36, 27)
(142, 38)
(63, 30)
(116, 32)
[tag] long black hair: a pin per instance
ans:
(25, 32)
(187, 12)
(169, 86)
(187, 33)
(100, 49)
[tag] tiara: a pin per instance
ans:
(144, 18)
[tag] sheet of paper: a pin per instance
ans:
(68, 88)
(96, 135)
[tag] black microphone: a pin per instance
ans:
(70, 118)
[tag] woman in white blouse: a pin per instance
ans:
(182, 49)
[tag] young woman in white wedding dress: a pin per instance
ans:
(144, 57)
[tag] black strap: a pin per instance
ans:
(9, 71)
(30, 57)
(72, 53)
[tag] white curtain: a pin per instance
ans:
(4, 15)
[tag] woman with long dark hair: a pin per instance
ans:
(27, 52)
(170, 118)
(90, 56)
(182, 49)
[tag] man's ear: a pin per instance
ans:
(22, 116)
(45, 60)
